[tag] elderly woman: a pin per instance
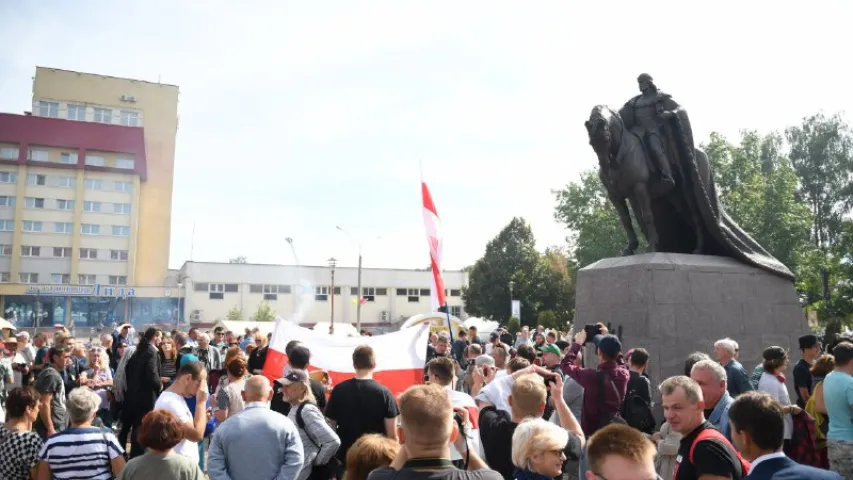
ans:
(81, 451)
(319, 441)
(259, 355)
(537, 450)
(19, 445)
(100, 379)
(160, 432)
(772, 381)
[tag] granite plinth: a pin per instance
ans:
(675, 304)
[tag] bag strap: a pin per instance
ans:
(714, 434)
(301, 423)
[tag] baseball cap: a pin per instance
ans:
(550, 348)
(295, 376)
(187, 358)
(609, 345)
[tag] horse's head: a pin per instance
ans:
(603, 123)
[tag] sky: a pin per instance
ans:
(297, 117)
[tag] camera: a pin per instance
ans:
(591, 331)
(460, 422)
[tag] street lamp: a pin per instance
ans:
(332, 263)
(289, 241)
(358, 287)
(511, 284)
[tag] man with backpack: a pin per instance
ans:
(704, 452)
(637, 406)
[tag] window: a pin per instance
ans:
(321, 293)
(216, 287)
(32, 227)
(48, 109)
(66, 182)
(5, 250)
(29, 251)
(90, 229)
(68, 158)
(424, 292)
(5, 277)
(456, 310)
(76, 112)
(124, 163)
(32, 202)
(7, 225)
(123, 186)
(91, 207)
(64, 204)
(103, 115)
(34, 179)
(8, 177)
(7, 201)
(118, 280)
(121, 208)
(121, 231)
(129, 119)
(29, 277)
(61, 278)
(62, 252)
(86, 279)
(202, 287)
(412, 293)
(93, 184)
(94, 161)
(63, 227)
(369, 294)
(9, 153)
(38, 155)
(118, 255)
(88, 254)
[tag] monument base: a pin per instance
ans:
(676, 304)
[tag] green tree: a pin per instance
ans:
(234, 314)
(557, 290)
(513, 325)
(264, 313)
(549, 320)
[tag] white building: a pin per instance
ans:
(303, 293)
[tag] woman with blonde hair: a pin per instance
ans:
(319, 441)
(368, 453)
(537, 450)
(99, 378)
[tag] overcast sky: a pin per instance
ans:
(296, 117)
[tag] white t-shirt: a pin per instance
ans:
(177, 405)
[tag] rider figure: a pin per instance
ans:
(644, 115)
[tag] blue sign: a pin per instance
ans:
(96, 290)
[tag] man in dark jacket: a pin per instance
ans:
(143, 385)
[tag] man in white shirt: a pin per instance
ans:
(440, 371)
(191, 380)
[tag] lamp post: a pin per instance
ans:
(358, 287)
(332, 263)
(511, 284)
(289, 241)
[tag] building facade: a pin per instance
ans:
(306, 294)
(85, 201)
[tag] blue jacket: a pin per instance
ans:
(783, 468)
(720, 416)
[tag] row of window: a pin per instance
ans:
(38, 179)
(62, 252)
(99, 115)
(62, 278)
(66, 158)
(33, 226)
(217, 290)
(63, 204)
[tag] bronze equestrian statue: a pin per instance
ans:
(647, 159)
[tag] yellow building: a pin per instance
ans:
(85, 201)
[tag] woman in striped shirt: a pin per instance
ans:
(168, 361)
(81, 451)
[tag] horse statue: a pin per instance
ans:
(627, 176)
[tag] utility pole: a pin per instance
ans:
(358, 298)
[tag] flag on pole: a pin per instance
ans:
(400, 358)
(434, 238)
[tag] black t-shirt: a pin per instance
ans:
(496, 429)
(388, 473)
(802, 378)
(359, 407)
(710, 457)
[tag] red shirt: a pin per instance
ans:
(588, 379)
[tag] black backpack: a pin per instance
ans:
(318, 472)
(637, 412)
(605, 415)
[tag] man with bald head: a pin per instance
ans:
(257, 442)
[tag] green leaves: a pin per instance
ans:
(234, 314)
(264, 313)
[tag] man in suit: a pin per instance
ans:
(143, 385)
(757, 427)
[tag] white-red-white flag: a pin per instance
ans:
(434, 238)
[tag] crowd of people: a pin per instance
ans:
(176, 405)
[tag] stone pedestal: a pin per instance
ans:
(675, 304)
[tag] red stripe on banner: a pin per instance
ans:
(474, 417)
(396, 380)
(427, 197)
(439, 283)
